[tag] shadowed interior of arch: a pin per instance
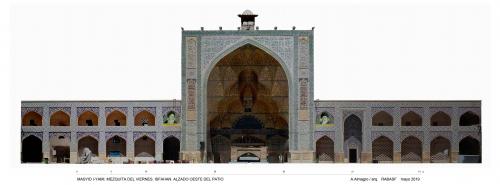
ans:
(32, 119)
(171, 147)
(247, 97)
(116, 146)
(31, 151)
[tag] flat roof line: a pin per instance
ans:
(178, 100)
(101, 100)
(399, 100)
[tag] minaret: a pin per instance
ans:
(247, 20)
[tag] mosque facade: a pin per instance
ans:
(247, 96)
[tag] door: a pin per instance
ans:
(353, 156)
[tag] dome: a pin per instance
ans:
(247, 12)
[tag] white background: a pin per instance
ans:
(363, 50)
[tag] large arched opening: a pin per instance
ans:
(440, 150)
(221, 149)
(144, 149)
(440, 119)
(276, 149)
(411, 119)
(88, 142)
(32, 119)
(31, 151)
(353, 133)
(116, 147)
(382, 118)
(325, 150)
(411, 150)
(59, 149)
(171, 148)
(469, 119)
(116, 118)
(382, 150)
(88, 118)
(247, 105)
(144, 118)
(59, 118)
(469, 150)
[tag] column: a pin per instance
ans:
(101, 122)
(158, 117)
(305, 105)
(397, 147)
(130, 117)
(102, 133)
(130, 145)
(46, 146)
(159, 146)
(190, 143)
(396, 115)
(102, 146)
(455, 137)
(130, 134)
(426, 124)
(366, 154)
(339, 135)
(73, 146)
(159, 135)
(397, 137)
(46, 128)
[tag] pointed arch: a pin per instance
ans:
(325, 149)
(440, 119)
(88, 142)
(469, 118)
(276, 146)
(171, 148)
(469, 146)
(144, 118)
(144, 147)
(353, 127)
(88, 118)
(116, 146)
(116, 118)
(382, 118)
(242, 43)
(411, 149)
(221, 149)
(32, 118)
(382, 149)
(244, 102)
(60, 147)
(59, 118)
(440, 150)
(411, 119)
(31, 150)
